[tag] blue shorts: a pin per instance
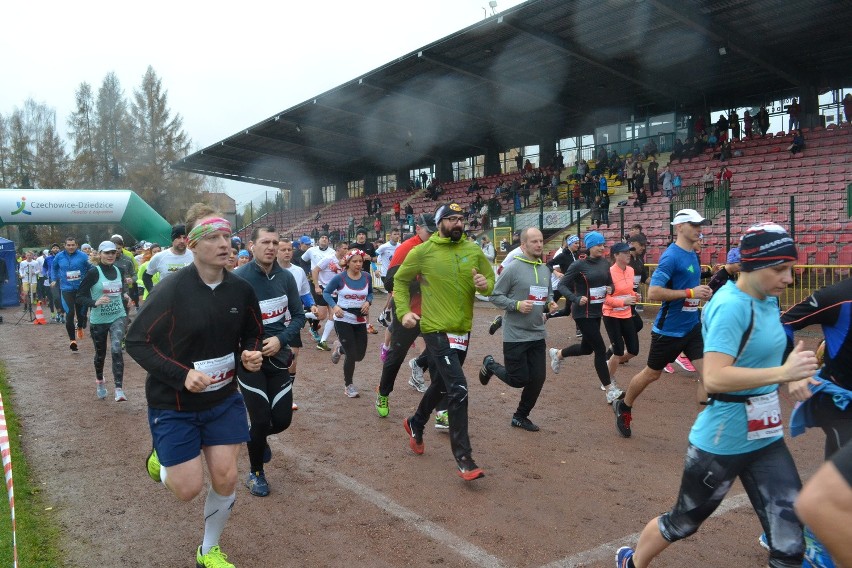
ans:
(179, 436)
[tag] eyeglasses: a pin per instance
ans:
(454, 219)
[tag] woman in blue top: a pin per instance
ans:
(349, 296)
(740, 434)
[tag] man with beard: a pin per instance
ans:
(170, 260)
(523, 290)
(451, 270)
(67, 271)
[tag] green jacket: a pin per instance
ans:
(445, 269)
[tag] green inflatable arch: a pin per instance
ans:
(58, 206)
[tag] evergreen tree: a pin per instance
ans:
(81, 125)
(5, 153)
(159, 140)
(21, 154)
(112, 132)
(51, 162)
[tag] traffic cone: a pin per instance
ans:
(39, 319)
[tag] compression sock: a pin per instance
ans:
(217, 509)
(326, 331)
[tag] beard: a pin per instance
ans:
(456, 234)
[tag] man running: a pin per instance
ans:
(268, 393)
(69, 267)
(314, 256)
(677, 283)
(523, 290)
(451, 270)
(323, 271)
(201, 328)
(169, 261)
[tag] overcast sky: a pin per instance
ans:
(225, 65)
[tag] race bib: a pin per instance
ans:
(622, 308)
(458, 341)
(112, 289)
(538, 295)
(690, 305)
(220, 369)
(764, 416)
(597, 294)
(636, 281)
(273, 309)
(72, 275)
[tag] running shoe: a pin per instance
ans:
(267, 453)
(382, 407)
(383, 352)
(623, 418)
(61, 318)
(384, 318)
(668, 368)
(119, 395)
(416, 379)
(257, 485)
(214, 558)
(468, 470)
(613, 393)
(484, 374)
(554, 359)
(685, 363)
(442, 420)
(100, 389)
(624, 554)
(335, 355)
(351, 391)
(579, 333)
(152, 464)
(415, 437)
(315, 334)
(73, 346)
(816, 554)
(761, 540)
(495, 325)
(372, 330)
(323, 346)
(525, 424)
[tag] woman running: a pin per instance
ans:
(350, 307)
(617, 313)
(585, 286)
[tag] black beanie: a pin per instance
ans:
(765, 245)
(178, 230)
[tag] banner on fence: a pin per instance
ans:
(7, 471)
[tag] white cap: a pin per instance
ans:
(106, 246)
(689, 216)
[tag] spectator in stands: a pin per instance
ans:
(424, 179)
(747, 123)
(629, 172)
(602, 187)
(582, 168)
(641, 198)
(653, 175)
(725, 151)
(735, 125)
(597, 211)
(605, 209)
(666, 178)
(677, 150)
(700, 126)
(793, 110)
(639, 179)
(377, 227)
(603, 159)
(473, 187)
(722, 126)
(707, 180)
(487, 248)
(369, 205)
(525, 194)
(677, 184)
(847, 107)
(650, 148)
(528, 167)
(798, 143)
(763, 121)
(724, 177)
(577, 193)
(397, 210)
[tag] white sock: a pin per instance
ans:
(217, 509)
(326, 331)
(163, 475)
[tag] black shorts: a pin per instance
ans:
(318, 298)
(296, 341)
(665, 348)
(842, 460)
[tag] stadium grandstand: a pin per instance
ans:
(552, 82)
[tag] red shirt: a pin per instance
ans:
(398, 256)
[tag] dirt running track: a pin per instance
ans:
(348, 492)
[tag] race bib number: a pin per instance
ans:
(597, 294)
(458, 341)
(538, 295)
(112, 289)
(220, 369)
(622, 308)
(764, 416)
(273, 309)
(72, 275)
(690, 305)
(636, 281)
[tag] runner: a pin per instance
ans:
(192, 337)
(617, 311)
(349, 296)
(384, 254)
(585, 286)
(170, 260)
(104, 292)
(268, 393)
(315, 255)
(739, 434)
(675, 282)
(451, 271)
(523, 290)
(68, 269)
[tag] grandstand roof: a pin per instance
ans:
(545, 69)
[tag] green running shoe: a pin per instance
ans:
(215, 558)
(382, 405)
(153, 465)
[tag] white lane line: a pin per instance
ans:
(460, 546)
(607, 550)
